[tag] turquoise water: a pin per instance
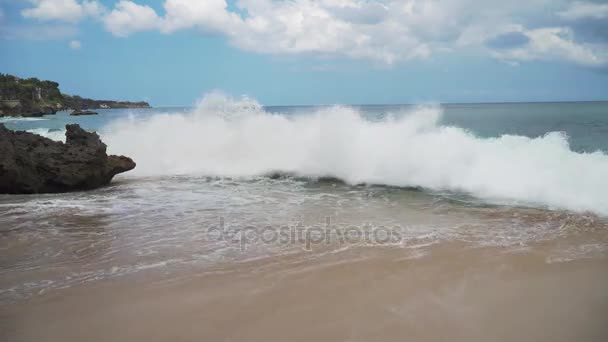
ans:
(89, 122)
(586, 123)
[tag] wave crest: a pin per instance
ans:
(237, 138)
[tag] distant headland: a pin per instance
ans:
(32, 97)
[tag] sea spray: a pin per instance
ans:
(53, 134)
(237, 138)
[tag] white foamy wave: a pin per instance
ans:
(19, 118)
(53, 134)
(226, 137)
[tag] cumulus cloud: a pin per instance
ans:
(70, 11)
(583, 10)
(128, 17)
(384, 31)
(554, 43)
(75, 45)
(589, 21)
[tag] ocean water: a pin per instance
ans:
(550, 155)
(585, 123)
(499, 187)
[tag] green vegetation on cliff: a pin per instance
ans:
(30, 92)
(34, 97)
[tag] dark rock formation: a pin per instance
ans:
(77, 102)
(27, 111)
(30, 163)
(32, 97)
(83, 112)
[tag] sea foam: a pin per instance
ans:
(237, 138)
(19, 118)
(53, 134)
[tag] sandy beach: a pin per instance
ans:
(451, 292)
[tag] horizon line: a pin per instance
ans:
(407, 104)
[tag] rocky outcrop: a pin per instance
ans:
(30, 163)
(27, 111)
(31, 97)
(77, 102)
(83, 112)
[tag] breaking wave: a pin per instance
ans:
(19, 118)
(53, 134)
(237, 138)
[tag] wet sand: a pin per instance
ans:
(451, 292)
(141, 261)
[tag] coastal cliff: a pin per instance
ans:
(33, 97)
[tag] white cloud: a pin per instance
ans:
(93, 9)
(70, 11)
(555, 43)
(383, 31)
(75, 45)
(210, 15)
(355, 28)
(128, 17)
(582, 10)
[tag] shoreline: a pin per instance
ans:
(41, 113)
(380, 294)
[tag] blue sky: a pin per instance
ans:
(312, 52)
